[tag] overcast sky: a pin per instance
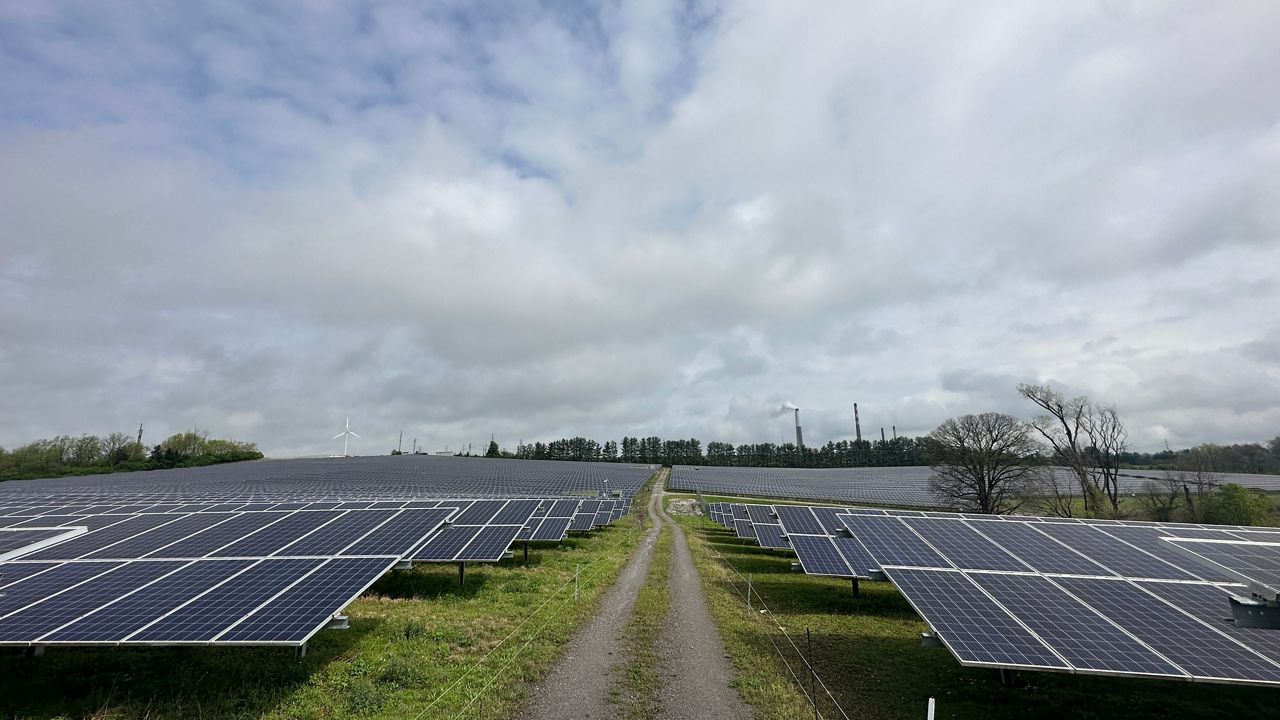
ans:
(651, 218)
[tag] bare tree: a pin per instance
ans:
(1056, 493)
(984, 463)
(1159, 498)
(1198, 477)
(1088, 439)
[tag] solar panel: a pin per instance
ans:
(972, 625)
(963, 546)
(855, 555)
(480, 512)
(1120, 557)
(818, 555)
(297, 613)
(799, 519)
(279, 534)
(116, 621)
(445, 545)
(744, 529)
(1039, 551)
(490, 544)
(1255, 563)
(889, 542)
(204, 618)
(403, 532)
(1197, 648)
(1082, 637)
(552, 528)
(769, 535)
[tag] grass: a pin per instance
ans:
(868, 652)
(648, 617)
(412, 650)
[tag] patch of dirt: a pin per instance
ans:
(684, 507)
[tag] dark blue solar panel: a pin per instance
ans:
(1086, 640)
(279, 534)
(604, 517)
(57, 610)
(818, 555)
(964, 547)
(144, 543)
(1102, 548)
(303, 609)
(479, 512)
(889, 542)
(207, 541)
(1037, 550)
(1148, 539)
(207, 616)
(760, 514)
(973, 626)
(334, 536)
(12, 572)
(1210, 605)
(582, 521)
(401, 534)
(855, 555)
(120, 619)
(11, 540)
(1254, 563)
(97, 539)
(490, 544)
(798, 519)
(828, 518)
(446, 544)
(744, 529)
(552, 528)
(1192, 645)
(770, 535)
(38, 587)
(563, 508)
(517, 512)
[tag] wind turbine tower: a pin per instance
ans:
(346, 435)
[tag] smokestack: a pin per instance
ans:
(895, 431)
(799, 437)
(857, 425)
(882, 435)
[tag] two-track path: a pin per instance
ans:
(696, 676)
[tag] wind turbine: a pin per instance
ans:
(345, 435)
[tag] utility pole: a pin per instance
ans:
(139, 435)
(400, 442)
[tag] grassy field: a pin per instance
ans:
(412, 650)
(868, 653)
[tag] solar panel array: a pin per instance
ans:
(890, 486)
(261, 553)
(1089, 596)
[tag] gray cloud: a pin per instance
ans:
(663, 220)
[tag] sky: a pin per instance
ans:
(540, 220)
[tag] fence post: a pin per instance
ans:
(748, 592)
(577, 570)
(930, 716)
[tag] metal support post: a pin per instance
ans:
(813, 673)
(856, 591)
(526, 552)
(462, 573)
(931, 709)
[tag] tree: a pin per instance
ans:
(984, 463)
(493, 451)
(1198, 478)
(1159, 498)
(1087, 438)
(1237, 505)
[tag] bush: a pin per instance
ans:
(1237, 505)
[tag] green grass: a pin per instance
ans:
(649, 613)
(412, 637)
(869, 654)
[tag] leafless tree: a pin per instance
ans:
(984, 463)
(1056, 494)
(1088, 439)
(1198, 477)
(1159, 498)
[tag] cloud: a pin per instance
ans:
(666, 219)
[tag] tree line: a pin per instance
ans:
(118, 452)
(1067, 462)
(657, 451)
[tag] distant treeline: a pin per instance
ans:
(901, 451)
(117, 452)
(656, 451)
(1240, 458)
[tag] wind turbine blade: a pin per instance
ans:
(335, 437)
(353, 434)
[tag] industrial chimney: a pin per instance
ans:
(857, 424)
(799, 437)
